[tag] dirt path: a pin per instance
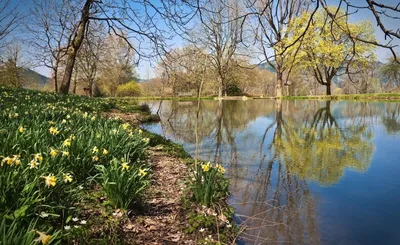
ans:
(159, 223)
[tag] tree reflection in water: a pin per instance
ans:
(273, 150)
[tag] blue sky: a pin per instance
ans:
(146, 68)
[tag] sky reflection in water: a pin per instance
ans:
(302, 172)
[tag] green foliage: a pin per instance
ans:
(128, 89)
(233, 90)
(209, 186)
(123, 182)
(50, 145)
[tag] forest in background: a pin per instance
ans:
(199, 48)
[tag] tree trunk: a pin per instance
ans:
(220, 87)
(328, 89)
(55, 77)
(75, 45)
(278, 86)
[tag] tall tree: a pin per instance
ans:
(391, 71)
(51, 25)
(328, 51)
(220, 33)
(271, 20)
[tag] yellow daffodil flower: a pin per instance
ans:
(65, 153)
(220, 168)
(53, 152)
(142, 172)
(21, 129)
(33, 164)
(105, 152)
(38, 157)
(95, 150)
(125, 125)
(67, 143)
(43, 238)
(50, 180)
(206, 167)
(95, 158)
(53, 131)
(67, 178)
(125, 165)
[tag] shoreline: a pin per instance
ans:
(386, 97)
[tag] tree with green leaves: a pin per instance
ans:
(326, 50)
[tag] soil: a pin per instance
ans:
(159, 223)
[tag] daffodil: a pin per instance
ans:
(140, 131)
(206, 167)
(21, 129)
(33, 164)
(142, 172)
(67, 178)
(146, 140)
(95, 158)
(95, 150)
(220, 168)
(105, 152)
(43, 238)
(125, 125)
(7, 160)
(53, 153)
(67, 143)
(125, 165)
(50, 180)
(65, 153)
(53, 131)
(38, 157)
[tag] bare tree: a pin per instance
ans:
(9, 19)
(138, 19)
(271, 20)
(220, 33)
(51, 28)
(91, 57)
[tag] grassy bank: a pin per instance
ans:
(359, 97)
(68, 175)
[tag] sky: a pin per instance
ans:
(146, 69)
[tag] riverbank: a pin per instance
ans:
(76, 170)
(387, 97)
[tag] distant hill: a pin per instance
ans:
(266, 66)
(39, 79)
(34, 77)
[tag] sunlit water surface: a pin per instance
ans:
(302, 172)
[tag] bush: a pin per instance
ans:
(233, 90)
(128, 89)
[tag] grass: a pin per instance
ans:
(53, 150)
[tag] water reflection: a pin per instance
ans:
(274, 151)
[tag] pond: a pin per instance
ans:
(301, 172)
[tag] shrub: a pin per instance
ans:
(128, 89)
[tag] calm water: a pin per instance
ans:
(302, 172)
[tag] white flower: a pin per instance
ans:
(75, 219)
(44, 215)
(76, 226)
(214, 214)
(229, 225)
(202, 230)
(83, 222)
(67, 227)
